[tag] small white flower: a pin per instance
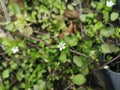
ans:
(14, 49)
(61, 46)
(109, 3)
(105, 67)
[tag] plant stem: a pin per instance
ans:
(101, 67)
(67, 88)
(5, 10)
(81, 26)
(80, 7)
(7, 17)
(114, 59)
(79, 53)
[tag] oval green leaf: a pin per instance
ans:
(42, 86)
(105, 48)
(77, 60)
(6, 73)
(27, 31)
(79, 79)
(114, 16)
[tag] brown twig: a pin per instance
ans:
(114, 59)
(3, 53)
(13, 82)
(82, 31)
(67, 88)
(33, 45)
(38, 32)
(79, 53)
(35, 38)
(81, 26)
(92, 61)
(101, 67)
(80, 7)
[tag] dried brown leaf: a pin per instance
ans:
(19, 2)
(70, 30)
(71, 14)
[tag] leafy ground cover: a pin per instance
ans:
(55, 44)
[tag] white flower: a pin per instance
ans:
(61, 46)
(105, 67)
(14, 49)
(109, 3)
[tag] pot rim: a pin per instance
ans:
(113, 72)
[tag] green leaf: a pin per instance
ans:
(21, 22)
(117, 32)
(42, 86)
(81, 88)
(27, 31)
(6, 73)
(20, 75)
(41, 44)
(70, 7)
(79, 79)
(71, 40)
(15, 8)
(15, 88)
(10, 26)
(90, 15)
(107, 32)
(114, 16)
(106, 48)
(83, 17)
(84, 70)
(77, 60)
(63, 57)
(98, 25)
(1, 86)
(93, 4)
(100, 5)
(13, 65)
(34, 55)
(23, 85)
(106, 16)
(114, 48)
(6, 41)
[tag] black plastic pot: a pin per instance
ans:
(109, 77)
(117, 6)
(106, 79)
(113, 73)
(103, 81)
(115, 79)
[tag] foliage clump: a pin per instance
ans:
(55, 44)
